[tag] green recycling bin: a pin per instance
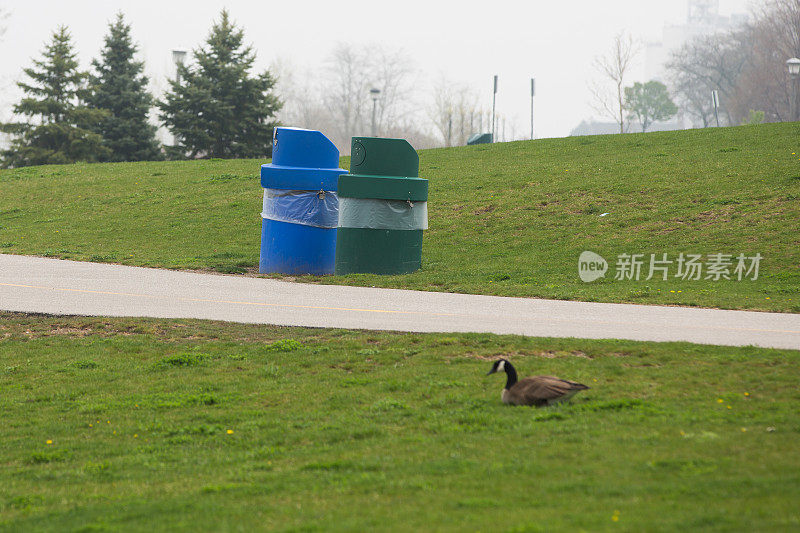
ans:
(383, 209)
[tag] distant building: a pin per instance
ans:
(702, 18)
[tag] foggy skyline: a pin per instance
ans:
(468, 42)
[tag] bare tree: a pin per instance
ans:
(441, 111)
(339, 103)
(691, 86)
(4, 14)
(410, 130)
(393, 73)
(747, 66)
(303, 105)
(614, 67)
(774, 37)
(693, 98)
(351, 71)
(348, 89)
(455, 112)
(706, 63)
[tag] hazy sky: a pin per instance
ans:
(554, 41)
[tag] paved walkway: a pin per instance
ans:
(35, 284)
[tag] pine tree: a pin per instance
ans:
(58, 126)
(120, 88)
(219, 109)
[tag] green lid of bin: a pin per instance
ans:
(376, 156)
(383, 169)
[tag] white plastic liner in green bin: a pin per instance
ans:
(372, 213)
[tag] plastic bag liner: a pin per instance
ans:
(308, 208)
(382, 214)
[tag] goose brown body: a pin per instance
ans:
(538, 391)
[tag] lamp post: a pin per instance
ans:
(533, 92)
(715, 101)
(793, 66)
(177, 57)
(494, 100)
(374, 93)
(449, 127)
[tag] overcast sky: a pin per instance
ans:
(467, 41)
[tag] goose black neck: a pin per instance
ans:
(511, 375)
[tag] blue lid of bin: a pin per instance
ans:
(301, 160)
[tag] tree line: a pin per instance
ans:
(747, 66)
(215, 108)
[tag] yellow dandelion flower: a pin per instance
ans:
(90, 425)
(49, 441)
(230, 432)
(135, 436)
(671, 291)
(615, 518)
(747, 394)
(729, 407)
(720, 400)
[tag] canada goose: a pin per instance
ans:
(536, 390)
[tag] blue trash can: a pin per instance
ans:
(300, 210)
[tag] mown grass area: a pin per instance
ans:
(507, 219)
(179, 425)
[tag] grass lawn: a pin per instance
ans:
(179, 425)
(505, 219)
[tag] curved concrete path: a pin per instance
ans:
(34, 284)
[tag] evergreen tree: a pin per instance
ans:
(58, 126)
(216, 108)
(120, 88)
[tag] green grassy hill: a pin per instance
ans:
(506, 219)
(120, 424)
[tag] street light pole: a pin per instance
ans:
(450, 128)
(715, 101)
(374, 93)
(178, 57)
(793, 66)
(533, 91)
(494, 100)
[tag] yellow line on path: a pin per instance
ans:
(261, 304)
(206, 300)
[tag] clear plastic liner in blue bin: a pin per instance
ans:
(311, 208)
